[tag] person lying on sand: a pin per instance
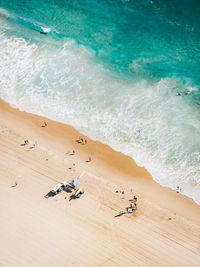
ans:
(44, 124)
(71, 153)
(90, 159)
(31, 147)
(25, 143)
(15, 184)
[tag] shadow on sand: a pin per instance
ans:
(72, 197)
(67, 189)
(50, 194)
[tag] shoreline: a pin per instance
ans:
(161, 210)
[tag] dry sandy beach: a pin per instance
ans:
(35, 231)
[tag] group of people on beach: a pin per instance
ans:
(178, 189)
(26, 142)
(80, 140)
(132, 207)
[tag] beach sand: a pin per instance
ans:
(35, 231)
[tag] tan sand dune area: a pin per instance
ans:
(36, 231)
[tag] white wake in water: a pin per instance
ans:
(147, 122)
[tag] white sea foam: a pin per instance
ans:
(147, 122)
(46, 29)
(3, 12)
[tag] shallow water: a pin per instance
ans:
(111, 69)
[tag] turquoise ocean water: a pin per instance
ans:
(112, 69)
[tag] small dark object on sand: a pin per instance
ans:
(134, 198)
(44, 124)
(85, 142)
(73, 153)
(79, 140)
(25, 143)
(169, 219)
(120, 214)
(15, 184)
(50, 194)
(77, 194)
(90, 159)
(31, 147)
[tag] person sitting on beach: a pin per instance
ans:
(31, 147)
(134, 198)
(80, 140)
(44, 124)
(130, 210)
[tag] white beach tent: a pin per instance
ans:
(57, 188)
